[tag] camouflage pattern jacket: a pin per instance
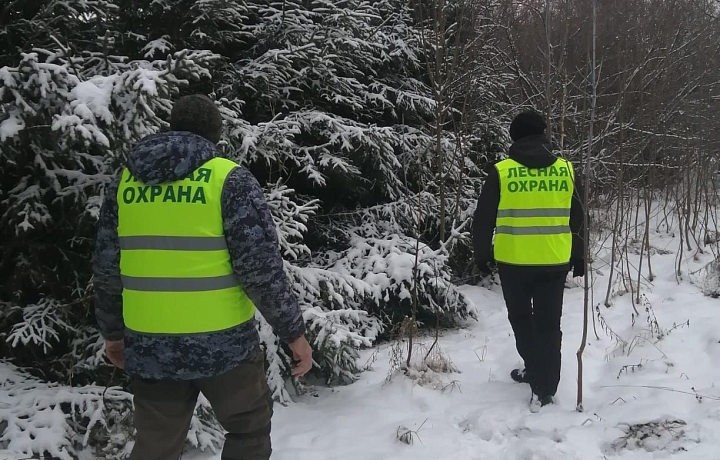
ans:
(256, 260)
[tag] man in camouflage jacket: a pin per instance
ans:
(169, 371)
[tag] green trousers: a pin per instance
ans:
(240, 399)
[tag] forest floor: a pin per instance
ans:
(664, 403)
(650, 385)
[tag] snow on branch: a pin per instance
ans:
(49, 419)
(41, 325)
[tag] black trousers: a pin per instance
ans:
(534, 302)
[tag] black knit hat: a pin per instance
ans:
(199, 115)
(528, 123)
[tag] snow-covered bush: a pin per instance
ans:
(666, 436)
(48, 418)
(400, 271)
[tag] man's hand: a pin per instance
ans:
(302, 353)
(485, 268)
(578, 266)
(115, 350)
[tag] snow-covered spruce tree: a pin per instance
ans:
(333, 97)
(69, 110)
(468, 92)
(327, 102)
(319, 97)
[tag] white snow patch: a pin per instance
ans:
(160, 45)
(655, 399)
(486, 415)
(92, 99)
(11, 126)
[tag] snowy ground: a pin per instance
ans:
(485, 415)
(482, 414)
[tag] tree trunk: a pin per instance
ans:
(588, 157)
(548, 76)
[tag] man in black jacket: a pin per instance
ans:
(532, 203)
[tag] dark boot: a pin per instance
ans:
(538, 402)
(519, 375)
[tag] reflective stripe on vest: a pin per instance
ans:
(174, 243)
(174, 263)
(533, 219)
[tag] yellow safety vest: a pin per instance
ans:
(175, 266)
(533, 219)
